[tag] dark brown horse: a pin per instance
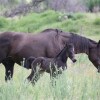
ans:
(50, 65)
(16, 46)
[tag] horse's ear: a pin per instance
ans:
(98, 45)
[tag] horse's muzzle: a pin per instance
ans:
(74, 60)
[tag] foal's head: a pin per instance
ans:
(70, 52)
(67, 51)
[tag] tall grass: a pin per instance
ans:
(79, 82)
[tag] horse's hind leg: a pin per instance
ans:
(9, 66)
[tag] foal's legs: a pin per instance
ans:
(34, 76)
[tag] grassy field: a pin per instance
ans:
(79, 82)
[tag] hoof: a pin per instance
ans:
(98, 71)
(74, 60)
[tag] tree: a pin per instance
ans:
(91, 4)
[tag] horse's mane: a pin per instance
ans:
(50, 30)
(94, 42)
(82, 42)
(47, 30)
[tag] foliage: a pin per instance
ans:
(97, 21)
(91, 4)
(36, 22)
(79, 82)
(3, 22)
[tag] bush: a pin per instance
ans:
(73, 16)
(97, 21)
(79, 16)
(91, 4)
(3, 22)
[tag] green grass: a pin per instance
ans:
(3, 22)
(79, 82)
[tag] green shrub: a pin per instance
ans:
(34, 21)
(97, 21)
(73, 16)
(3, 22)
(78, 16)
(37, 22)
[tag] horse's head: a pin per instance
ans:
(94, 56)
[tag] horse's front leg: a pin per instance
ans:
(34, 77)
(30, 77)
(9, 67)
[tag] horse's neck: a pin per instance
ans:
(63, 54)
(82, 44)
(81, 48)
